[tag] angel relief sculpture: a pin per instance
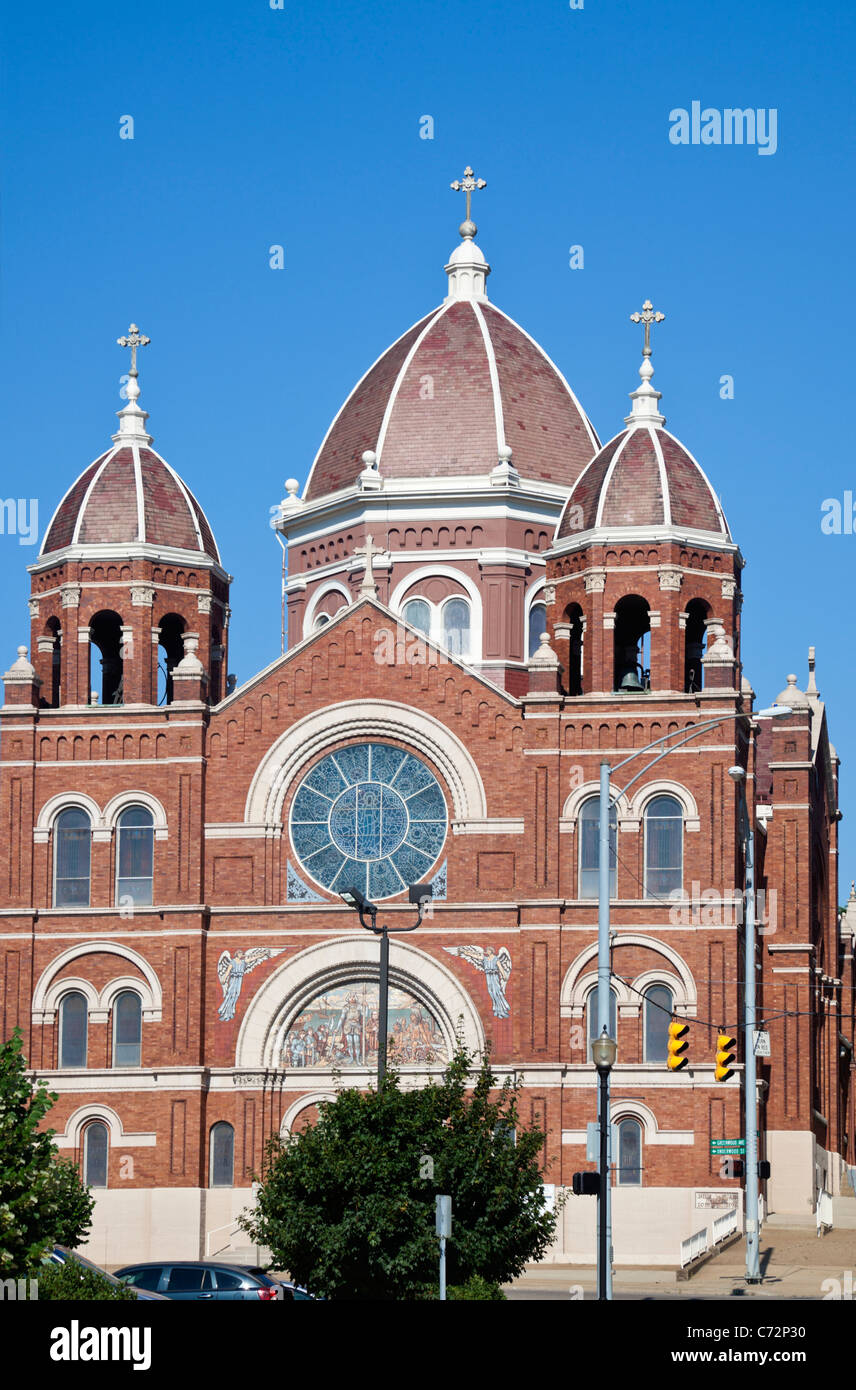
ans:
(232, 969)
(496, 966)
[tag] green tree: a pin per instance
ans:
(42, 1199)
(74, 1282)
(347, 1204)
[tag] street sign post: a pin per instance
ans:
(443, 1208)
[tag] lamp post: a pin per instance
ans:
(604, 1052)
(750, 1096)
(603, 962)
(419, 894)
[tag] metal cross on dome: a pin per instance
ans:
(133, 340)
(469, 183)
(648, 316)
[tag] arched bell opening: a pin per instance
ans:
(53, 634)
(632, 650)
(105, 633)
(171, 646)
(573, 616)
(216, 680)
(698, 611)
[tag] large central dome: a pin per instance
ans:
(461, 384)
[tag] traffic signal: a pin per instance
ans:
(764, 1168)
(678, 1044)
(726, 1048)
(586, 1184)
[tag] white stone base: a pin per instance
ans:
(648, 1225)
(169, 1223)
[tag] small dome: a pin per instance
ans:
(130, 495)
(792, 696)
(643, 478)
(458, 386)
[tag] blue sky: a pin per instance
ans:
(300, 127)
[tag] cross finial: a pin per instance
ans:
(368, 586)
(133, 340)
(648, 316)
(468, 184)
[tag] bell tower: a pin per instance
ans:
(129, 602)
(643, 577)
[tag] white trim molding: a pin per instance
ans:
(365, 719)
(301, 1104)
(331, 587)
(584, 792)
(76, 1122)
(666, 787)
(125, 799)
(435, 571)
(577, 984)
(44, 994)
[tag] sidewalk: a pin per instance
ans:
(795, 1263)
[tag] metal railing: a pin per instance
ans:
(694, 1246)
(724, 1225)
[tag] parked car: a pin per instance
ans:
(290, 1291)
(59, 1255)
(206, 1280)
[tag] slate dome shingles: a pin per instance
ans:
(436, 414)
(103, 506)
(632, 493)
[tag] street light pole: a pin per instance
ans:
(604, 967)
(420, 894)
(750, 1097)
(604, 1205)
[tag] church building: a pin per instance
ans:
(484, 602)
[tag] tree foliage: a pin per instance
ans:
(345, 1209)
(42, 1199)
(75, 1282)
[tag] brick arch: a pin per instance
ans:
(43, 1012)
(576, 984)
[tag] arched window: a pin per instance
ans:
(589, 833)
(135, 856)
(221, 1155)
(537, 625)
(321, 621)
(664, 846)
(628, 1170)
(96, 1144)
(418, 615)
(72, 839)
(72, 1029)
(659, 1006)
(591, 1004)
(127, 1029)
(456, 626)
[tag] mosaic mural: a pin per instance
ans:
(339, 1028)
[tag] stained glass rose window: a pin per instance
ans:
(368, 816)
